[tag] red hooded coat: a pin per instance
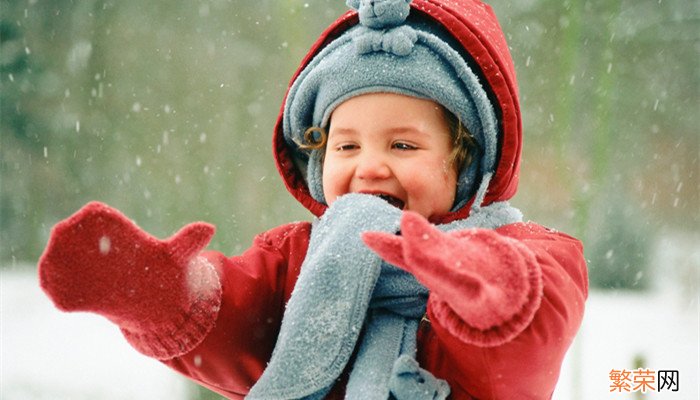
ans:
(218, 323)
(257, 284)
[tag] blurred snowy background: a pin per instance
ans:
(164, 109)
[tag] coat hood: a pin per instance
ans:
(474, 27)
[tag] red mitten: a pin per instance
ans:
(486, 287)
(163, 297)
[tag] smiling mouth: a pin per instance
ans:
(394, 201)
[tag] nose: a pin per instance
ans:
(372, 166)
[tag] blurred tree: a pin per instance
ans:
(619, 254)
(27, 86)
(595, 81)
(163, 109)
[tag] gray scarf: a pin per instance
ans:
(344, 289)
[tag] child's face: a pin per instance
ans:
(394, 146)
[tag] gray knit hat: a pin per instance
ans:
(386, 53)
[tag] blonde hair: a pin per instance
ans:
(463, 143)
(315, 138)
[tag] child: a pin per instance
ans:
(401, 132)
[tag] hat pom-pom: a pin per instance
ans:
(382, 28)
(378, 14)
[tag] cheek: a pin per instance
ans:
(332, 180)
(449, 177)
(437, 188)
(441, 173)
(328, 190)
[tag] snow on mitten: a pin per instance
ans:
(160, 293)
(490, 282)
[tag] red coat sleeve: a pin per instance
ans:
(256, 286)
(527, 366)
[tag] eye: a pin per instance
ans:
(403, 146)
(346, 147)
